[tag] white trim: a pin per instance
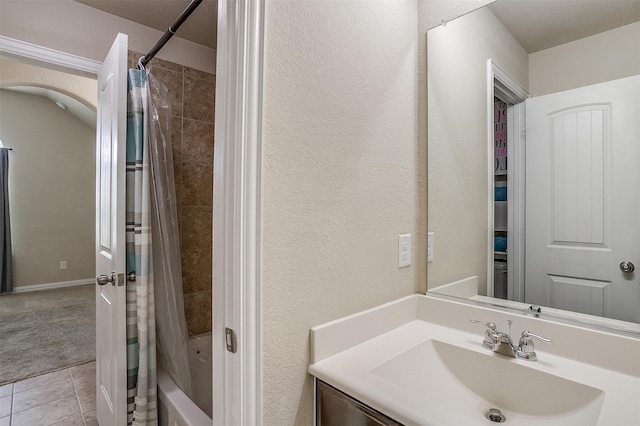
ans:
(515, 94)
(490, 178)
(516, 206)
(55, 59)
(50, 286)
(237, 387)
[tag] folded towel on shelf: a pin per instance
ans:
(500, 193)
(499, 243)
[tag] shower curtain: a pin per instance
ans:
(6, 272)
(152, 250)
(141, 327)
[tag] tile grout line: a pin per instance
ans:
(13, 391)
(180, 231)
(75, 391)
(195, 119)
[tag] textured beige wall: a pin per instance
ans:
(73, 27)
(457, 117)
(431, 13)
(340, 159)
(51, 189)
(602, 57)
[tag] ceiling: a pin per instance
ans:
(71, 105)
(200, 28)
(541, 24)
(536, 24)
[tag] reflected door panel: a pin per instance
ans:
(582, 199)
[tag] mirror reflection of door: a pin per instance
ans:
(583, 199)
(580, 198)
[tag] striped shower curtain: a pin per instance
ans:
(141, 327)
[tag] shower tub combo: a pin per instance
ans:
(174, 406)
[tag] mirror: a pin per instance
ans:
(532, 157)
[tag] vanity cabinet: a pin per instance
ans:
(335, 408)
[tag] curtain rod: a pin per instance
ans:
(170, 32)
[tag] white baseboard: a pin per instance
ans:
(49, 286)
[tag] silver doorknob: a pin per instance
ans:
(104, 279)
(627, 266)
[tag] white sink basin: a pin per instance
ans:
(465, 384)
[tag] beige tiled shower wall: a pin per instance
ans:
(192, 95)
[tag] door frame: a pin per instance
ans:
(501, 83)
(237, 194)
(237, 215)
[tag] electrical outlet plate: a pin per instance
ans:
(63, 264)
(404, 250)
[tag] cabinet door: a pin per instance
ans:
(334, 408)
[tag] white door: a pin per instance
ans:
(582, 199)
(111, 374)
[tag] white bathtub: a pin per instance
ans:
(174, 407)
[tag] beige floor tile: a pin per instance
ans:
(92, 422)
(6, 421)
(76, 421)
(34, 397)
(5, 406)
(6, 390)
(84, 377)
(46, 380)
(48, 414)
(85, 384)
(83, 370)
(90, 416)
(87, 402)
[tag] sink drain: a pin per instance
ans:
(495, 416)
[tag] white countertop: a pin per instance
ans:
(344, 353)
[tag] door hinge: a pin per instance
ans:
(230, 338)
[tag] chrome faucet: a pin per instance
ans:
(497, 341)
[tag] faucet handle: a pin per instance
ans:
(525, 346)
(491, 326)
(528, 335)
(490, 340)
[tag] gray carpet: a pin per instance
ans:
(45, 331)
